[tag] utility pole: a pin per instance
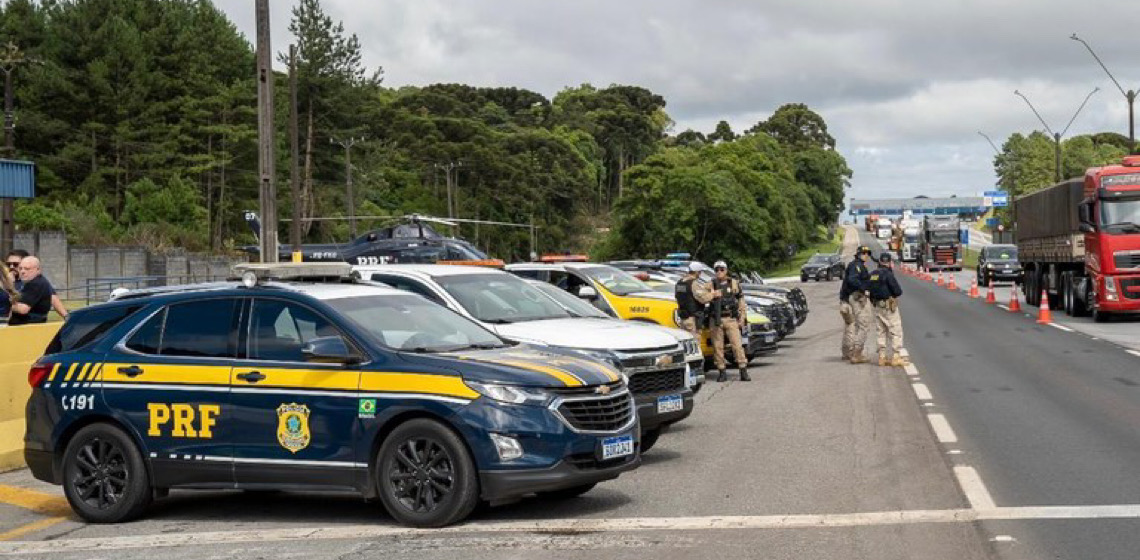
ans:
(1057, 135)
(294, 155)
(10, 59)
(1129, 95)
(267, 191)
(449, 168)
(347, 144)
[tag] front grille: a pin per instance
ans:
(643, 361)
(1130, 287)
(584, 391)
(657, 381)
(606, 414)
(945, 256)
(1126, 259)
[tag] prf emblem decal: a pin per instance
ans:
(366, 408)
(293, 426)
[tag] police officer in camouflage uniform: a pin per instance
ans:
(728, 315)
(885, 291)
(853, 306)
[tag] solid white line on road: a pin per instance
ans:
(910, 369)
(974, 488)
(1060, 327)
(942, 429)
(1134, 352)
(575, 526)
(922, 392)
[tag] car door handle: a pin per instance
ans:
(131, 371)
(251, 376)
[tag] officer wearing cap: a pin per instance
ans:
(729, 314)
(853, 306)
(885, 291)
(691, 299)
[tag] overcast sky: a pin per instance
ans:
(905, 85)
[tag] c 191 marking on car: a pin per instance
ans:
(77, 402)
(181, 416)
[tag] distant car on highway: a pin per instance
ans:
(998, 263)
(822, 267)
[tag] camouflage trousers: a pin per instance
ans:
(855, 325)
(889, 321)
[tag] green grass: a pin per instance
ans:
(792, 267)
(971, 259)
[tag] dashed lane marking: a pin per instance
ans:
(1059, 326)
(1005, 307)
(942, 429)
(922, 392)
(910, 369)
(578, 526)
(1134, 352)
(974, 488)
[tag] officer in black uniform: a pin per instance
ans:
(853, 306)
(689, 308)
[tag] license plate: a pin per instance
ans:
(769, 338)
(670, 403)
(617, 446)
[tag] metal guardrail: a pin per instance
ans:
(99, 289)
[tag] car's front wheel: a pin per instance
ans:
(426, 476)
(104, 476)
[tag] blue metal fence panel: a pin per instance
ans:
(17, 179)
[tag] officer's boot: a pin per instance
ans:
(883, 359)
(857, 357)
(722, 377)
(899, 360)
(744, 374)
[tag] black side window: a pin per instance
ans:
(202, 329)
(88, 327)
(408, 286)
(279, 329)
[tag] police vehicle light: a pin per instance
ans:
(249, 279)
(511, 394)
(262, 272)
(508, 447)
(38, 373)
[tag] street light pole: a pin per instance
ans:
(1129, 95)
(1057, 135)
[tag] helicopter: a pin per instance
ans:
(414, 241)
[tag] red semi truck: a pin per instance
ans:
(1079, 241)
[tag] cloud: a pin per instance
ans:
(904, 86)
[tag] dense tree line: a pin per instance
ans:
(140, 115)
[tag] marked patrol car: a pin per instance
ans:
(319, 386)
(655, 362)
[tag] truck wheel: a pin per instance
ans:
(104, 475)
(649, 439)
(425, 475)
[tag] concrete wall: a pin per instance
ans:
(22, 346)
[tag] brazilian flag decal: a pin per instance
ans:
(366, 408)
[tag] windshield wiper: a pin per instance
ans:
(421, 350)
(497, 321)
(1126, 226)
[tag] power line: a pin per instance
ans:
(347, 144)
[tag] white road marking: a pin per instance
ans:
(922, 392)
(1005, 307)
(1134, 352)
(1060, 327)
(904, 353)
(974, 488)
(1003, 539)
(576, 526)
(927, 404)
(954, 452)
(910, 369)
(942, 429)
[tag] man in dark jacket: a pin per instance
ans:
(853, 306)
(885, 293)
(34, 301)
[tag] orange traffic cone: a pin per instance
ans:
(974, 289)
(952, 284)
(1014, 301)
(940, 281)
(990, 294)
(1044, 316)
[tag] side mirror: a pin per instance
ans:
(587, 292)
(328, 350)
(1086, 228)
(1085, 216)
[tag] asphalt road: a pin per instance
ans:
(1046, 416)
(815, 458)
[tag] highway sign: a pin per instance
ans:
(996, 199)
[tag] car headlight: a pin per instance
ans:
(512, 394)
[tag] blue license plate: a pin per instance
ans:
(617, 446)
(670, 403)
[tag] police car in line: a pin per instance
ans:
(655, 363)
(274, 384)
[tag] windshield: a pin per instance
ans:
(944, 236)
(617, 282)
(412, 323)
(817, 260)
(1001, 253)
(500, 298)
(912, 238)
(572, 304)
(1120, 216)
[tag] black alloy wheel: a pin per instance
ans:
(104, 476)
(426, 476)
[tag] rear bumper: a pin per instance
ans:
(41, 464)
(510, 484)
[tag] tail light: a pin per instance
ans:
(38, 373)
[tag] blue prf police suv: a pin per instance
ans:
(318, 386)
